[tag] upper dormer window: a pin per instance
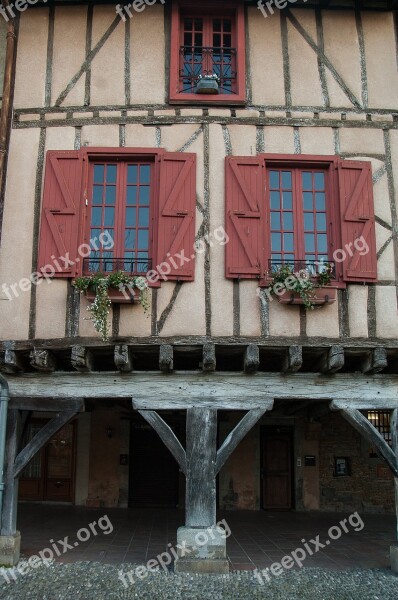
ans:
(207, 54)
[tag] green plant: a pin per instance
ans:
(100, 283)
(301, 282)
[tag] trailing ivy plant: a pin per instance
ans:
(100, 283)
(301, 282)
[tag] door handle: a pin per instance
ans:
(58, 484)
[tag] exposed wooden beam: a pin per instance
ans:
(123, 358)
(40, 439)
(42, 360)
(375, 361)
(82, 359)
(371, 404)
(251, 361)
(167, 436)
(370, 433)
(10, 362)
(332, 361)
(237, 435)
(48, 404)
(185, 388)
(394, 438)
(293, 360)
(209, 357)
(218, 403)
(166, 358)
(9, 512)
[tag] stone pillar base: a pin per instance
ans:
(10, 549)
(394, 558)
(201, 550)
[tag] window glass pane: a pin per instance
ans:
(307, 201)
(319, 181)
(288, 243)
(321, 222)
(276, 242)
(227, 25)
(216, 24)
(108, 239)
(227, 41)
(274, 180)
(143, 239)
(198, 39)
(130, 217)
(97, 194)
(288, 257)
(320, 201)
(216, 40)
(110, 194)
(322, 242)
(132, 174)
(131, 194)
(109, 220)
(145, 174)
(129, 238)
(287, 221)
(286, 180)
(98, 173)
(96, 216)
(275, 200)
(275, 220)
(307, 181)
(309, 239)
(144, 195)
(308, 222)
(144, 217)
(111, 173)
(95, 233)
(287, 200)
(199, 24)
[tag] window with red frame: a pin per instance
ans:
(303, 211)
(119, 206)
(207, 41)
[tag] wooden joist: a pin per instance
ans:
(123, 359)
(209, 358)
(11, 362)
(82, 359)
(293, 360)
(166, 358)
(251, 361)
(42, 360)
(375, 362)
(47, 404)
(332, 361)
(368, 404)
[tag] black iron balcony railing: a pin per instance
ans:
(132, 266)
(314, 267)
(201, 60)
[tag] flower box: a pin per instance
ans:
(319, 296)
(129, 296)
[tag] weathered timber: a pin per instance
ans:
(217, 403)
(251, 361)
(375, 361)
(394, 438)
(201, 459)
(123, 358)
(82, 359)
(9, 512)
(237, 435)
(11, 362)
(167, 436)
(154, 390)
(293, 360)
(40, 439)
(370, 433)
(209, 357)
(42, 360)
(332, 361)
(375, 404)
(47, 404)
(166, 358)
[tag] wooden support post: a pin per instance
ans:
(252, 359)
(293, 360)
(394, 437)
(10, 362)
(209, 357)
(375, 362)
(9, 512)
(333, 360)
(82, 359)
(42, 360)
(166, 358)
(201, 462)
(123, 359)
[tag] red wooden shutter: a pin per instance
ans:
(357, 221)
(62, 201)
(245, 198)
(177, 207)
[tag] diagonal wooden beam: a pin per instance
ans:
(370, 433)
(167, 436)
(40, 439)
(237, 435)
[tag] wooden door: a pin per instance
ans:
(154, 473)
(276, 470)
(50, 475)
